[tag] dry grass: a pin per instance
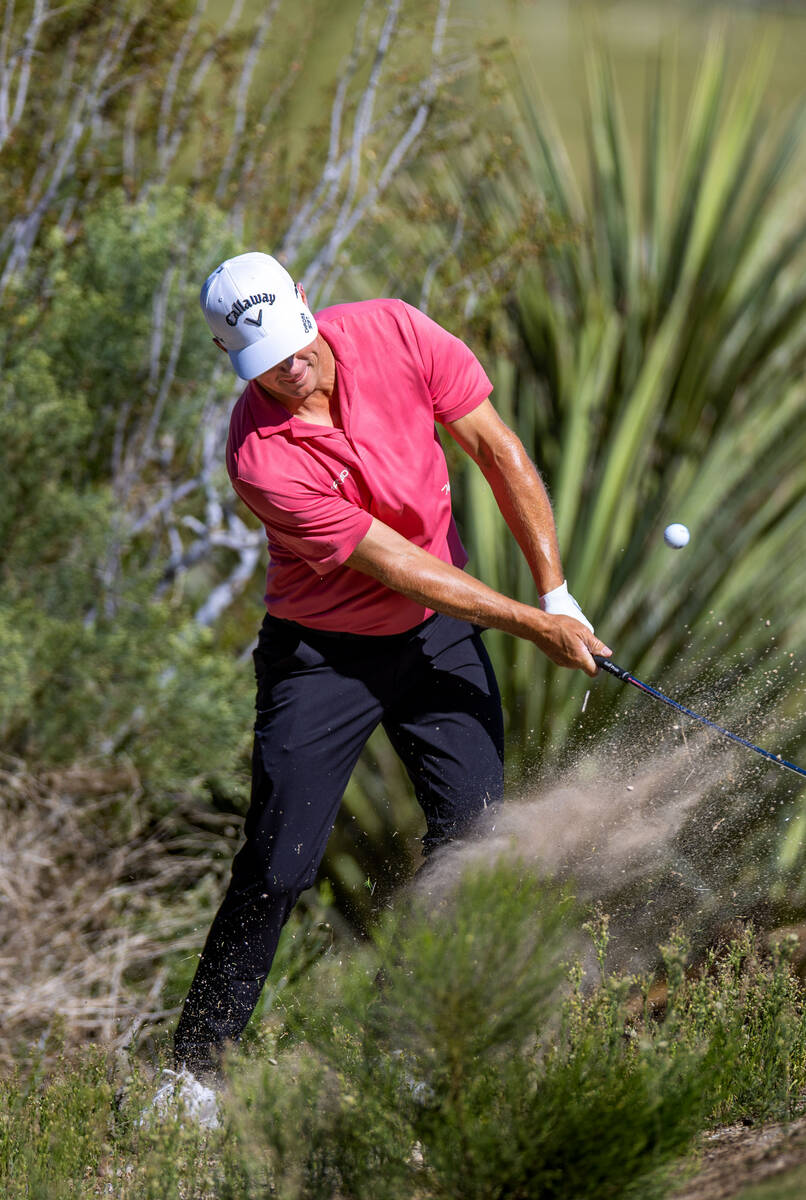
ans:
(96, 898)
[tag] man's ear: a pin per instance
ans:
(301, 291)
(220, 344)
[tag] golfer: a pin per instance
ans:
(370, 618)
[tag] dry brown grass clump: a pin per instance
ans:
(95, 895)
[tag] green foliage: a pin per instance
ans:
(133, 687)
(93, 661)
(660, 377)
(99, 330)
(121, 307)
(446, 1058)
(751, 1008)
(54, 1132)
(459, 1070)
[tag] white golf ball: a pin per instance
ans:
(676, 536)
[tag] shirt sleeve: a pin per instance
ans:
(455, 377)
(322, 529)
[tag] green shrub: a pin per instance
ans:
(457, 1054)
(750, 1008)
(449, 1039)
(54, 1133)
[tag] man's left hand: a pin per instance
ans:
(559, 601)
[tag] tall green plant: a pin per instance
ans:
(650, 354)
(661, 344)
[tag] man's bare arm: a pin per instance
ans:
(517, 487)
(396, 562)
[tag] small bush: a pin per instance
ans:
(54, 1133)
(457, 1054)
(750, 1009)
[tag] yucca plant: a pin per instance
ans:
(652, 359)
(662, 337)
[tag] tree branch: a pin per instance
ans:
(20, 64)
(86, 102)
(242, 96)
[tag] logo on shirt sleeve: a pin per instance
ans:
(340, 479)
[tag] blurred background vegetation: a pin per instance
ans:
(604, 200)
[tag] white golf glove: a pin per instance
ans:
(560, 601)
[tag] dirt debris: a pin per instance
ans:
(736, 1157)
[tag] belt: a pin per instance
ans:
(307, 632)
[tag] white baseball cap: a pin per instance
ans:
(256, 312)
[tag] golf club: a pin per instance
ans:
(606, 665)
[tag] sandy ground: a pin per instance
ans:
(735, 1157)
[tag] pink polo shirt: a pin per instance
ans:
(316, 489)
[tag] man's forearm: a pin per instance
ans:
(420, 576)
(429, 581)
(525, 506)
(517, 487)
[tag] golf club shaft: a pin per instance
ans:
(626, 677)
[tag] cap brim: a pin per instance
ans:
(279, 344)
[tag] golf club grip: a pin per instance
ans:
(606, 665)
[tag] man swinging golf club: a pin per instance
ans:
(370, 618)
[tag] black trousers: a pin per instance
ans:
(319, 697)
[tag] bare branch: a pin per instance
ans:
(325, 193)
(173, 140)
(5, 73)
(19, 64)
(174, 71)
(169, 373)
(354, 210)
(222, 597)
(25, 229)
(164, 505)
(44, 154)
(242, 96)
(363, 116)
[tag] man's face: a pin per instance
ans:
(295, 378)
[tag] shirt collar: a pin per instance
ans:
(345, 353)
(268, 415)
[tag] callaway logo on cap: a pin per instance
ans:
(255, 311)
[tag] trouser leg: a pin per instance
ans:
(317, 705)
(312, 724)
(447, 727)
